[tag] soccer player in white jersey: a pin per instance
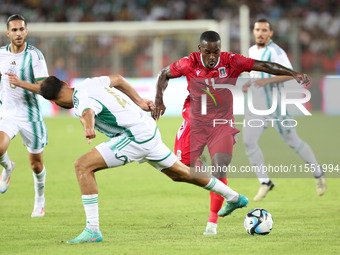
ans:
(20, 111)
(134, 136)
(262, 83)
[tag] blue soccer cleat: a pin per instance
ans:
(230, 207)
(88, 236)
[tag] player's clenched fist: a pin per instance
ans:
(89, 134)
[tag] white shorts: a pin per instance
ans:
(121, 150)
(33, 134)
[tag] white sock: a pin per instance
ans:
(221, 189)
(39, 185)
(91, 210)
(306, 154)
(6, 163)
(256, 158)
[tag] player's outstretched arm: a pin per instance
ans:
(87, 119)
(14, 79)
(122, 84)
(162, 83)
(277, 69)
(265, 81)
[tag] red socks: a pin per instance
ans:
(216, 202)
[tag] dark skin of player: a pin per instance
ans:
(211, 52)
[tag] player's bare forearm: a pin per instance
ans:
(278, 79)
(264, 82)
(274, 79)
(162, 83)
(122, 84)
(272, 68)
(87, 120)
(14, 79)
(277, 69)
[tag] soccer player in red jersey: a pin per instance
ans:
(204, 69)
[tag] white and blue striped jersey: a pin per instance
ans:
(30, 66)
(114, 116)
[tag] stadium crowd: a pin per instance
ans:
(318, 21)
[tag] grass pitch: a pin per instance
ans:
(144, 212)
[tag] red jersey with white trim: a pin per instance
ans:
(199, 79)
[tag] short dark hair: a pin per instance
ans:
(210, 36)
(50, 88)
(262, 20)
(16, 17)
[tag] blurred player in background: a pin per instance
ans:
(212, 66)
(265, 49)
(20, 111)
(134, 136)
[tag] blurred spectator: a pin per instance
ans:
(59, 69)
(319, 27)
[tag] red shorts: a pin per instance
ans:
(190, 141)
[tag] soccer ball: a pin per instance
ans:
(258, 222)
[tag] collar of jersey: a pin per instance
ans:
(218, 61)
(270, 42)
(7, 48)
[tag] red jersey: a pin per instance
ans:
(226, 71)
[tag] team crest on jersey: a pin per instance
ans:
(222, 72)
(179, 154)
(198, 72)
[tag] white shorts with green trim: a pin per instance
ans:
(121, 150)
(33, 134)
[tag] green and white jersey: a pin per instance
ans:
(263, 96)
(113, 115)
(29, 65)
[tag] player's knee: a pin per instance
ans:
(79, 166)
(249, 144)
(220, 160)
(4, 143)
(82, 166)
(37, 166)
(294, 144)
(2, 151)
(3, 148)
